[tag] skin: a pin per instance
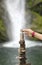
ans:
(29, 32)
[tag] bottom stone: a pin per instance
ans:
(28, 64)
(25, 64)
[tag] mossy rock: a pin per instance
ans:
(37, 22)
(3, 34)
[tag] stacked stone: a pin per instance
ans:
(22, 52)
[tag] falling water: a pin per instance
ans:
(16, 10)
(16, 14)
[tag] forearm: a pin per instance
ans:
(37, 35)
(30, 33)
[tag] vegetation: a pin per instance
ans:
(3, 35)
(37, 22)
(32, 2)
(36, 10)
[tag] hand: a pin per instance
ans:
(28, 32)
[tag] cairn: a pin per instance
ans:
(22, 51)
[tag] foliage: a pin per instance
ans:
(31, 3)
(37, 22)
(3, 35)
(36, 15)
(37, 18)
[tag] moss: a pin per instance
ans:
(36, 17)
(37, 22)
(32, 2)
(3, 34)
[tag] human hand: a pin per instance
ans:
(28, 32)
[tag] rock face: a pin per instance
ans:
(22, 51)
(3, 33)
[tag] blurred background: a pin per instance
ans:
(14, 16)
(32, 18)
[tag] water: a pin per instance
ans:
(8, 56)
(15, 20)
(16, 11)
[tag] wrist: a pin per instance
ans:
(33, 34)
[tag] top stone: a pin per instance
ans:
(21, 36)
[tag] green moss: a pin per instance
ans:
(2, 27)
(37, 22)
(3, 34)
(36, 17)
(32, 2)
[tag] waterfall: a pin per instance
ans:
(16, 11)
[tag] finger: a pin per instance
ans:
(24, 30)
